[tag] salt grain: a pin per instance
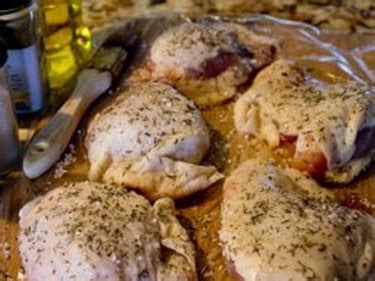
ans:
(5, 247)
(68, 159)
(21, 275)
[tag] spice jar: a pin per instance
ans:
(20, 33)
(9, 145)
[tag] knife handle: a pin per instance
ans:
(49, 144)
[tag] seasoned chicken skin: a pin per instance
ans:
(209, 61)
(151, 138)
(89, 231)
(332, 127)
(279, 225)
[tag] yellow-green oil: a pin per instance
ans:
(67, 44)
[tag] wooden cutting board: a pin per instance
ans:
(200, 214)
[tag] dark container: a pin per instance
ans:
(20, 34)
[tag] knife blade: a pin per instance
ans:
(96, 79)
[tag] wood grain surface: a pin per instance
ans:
(200, 214)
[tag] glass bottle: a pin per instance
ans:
(67, 44)
(20, 36)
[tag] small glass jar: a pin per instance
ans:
(67, 43)
(20, 32)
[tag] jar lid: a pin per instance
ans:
(8, 6)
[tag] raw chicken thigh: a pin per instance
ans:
(151, 138)
(279, 225)
(208, 62)
(332, 127)
(89, 231)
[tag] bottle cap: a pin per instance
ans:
(11, 5)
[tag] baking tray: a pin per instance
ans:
(327, 57)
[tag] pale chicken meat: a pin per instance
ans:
(151, 138)
(90, 231)
(331, 126)
(278, 224)
(209, 62)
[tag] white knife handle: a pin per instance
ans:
(48, 145)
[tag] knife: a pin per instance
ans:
(96, 79)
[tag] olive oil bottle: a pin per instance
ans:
(67, 44)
